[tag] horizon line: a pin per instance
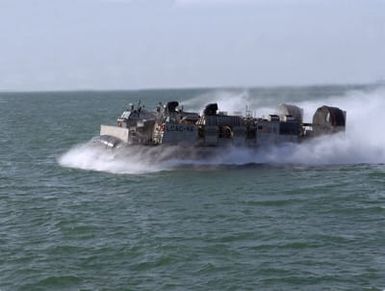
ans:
(190, 88)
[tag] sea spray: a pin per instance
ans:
(134, 159)
(88, 156)
(363, 141)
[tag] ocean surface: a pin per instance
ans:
(294, 217)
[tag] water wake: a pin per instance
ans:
(363, 141)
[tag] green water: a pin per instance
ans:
(308, 217)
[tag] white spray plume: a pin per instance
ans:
(228, 101)
(363, 141)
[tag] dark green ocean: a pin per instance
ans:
(294, 217)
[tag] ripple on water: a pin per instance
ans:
(230, 225)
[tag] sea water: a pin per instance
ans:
(292, 217)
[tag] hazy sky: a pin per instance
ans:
(132, 44)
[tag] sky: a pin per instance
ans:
(141, 44)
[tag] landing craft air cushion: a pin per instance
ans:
(169, 124)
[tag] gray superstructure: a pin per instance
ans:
(170, 124)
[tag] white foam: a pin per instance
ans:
(90, 157)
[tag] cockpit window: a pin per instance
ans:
(126, 114)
